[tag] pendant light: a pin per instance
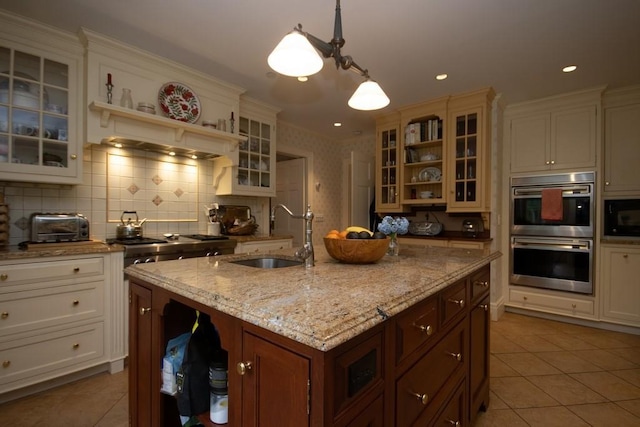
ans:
(296, 56)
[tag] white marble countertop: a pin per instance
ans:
(37, 250)
(322, 306)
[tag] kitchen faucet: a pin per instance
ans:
(306, 251)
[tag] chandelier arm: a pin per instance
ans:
(325, 48)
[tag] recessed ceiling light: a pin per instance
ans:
(569, 68)
(303, 78)
(337, 124)
(441, 76)
(194, 157)
(172, 153)
(117, 145)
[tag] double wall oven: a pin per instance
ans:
(553, 251)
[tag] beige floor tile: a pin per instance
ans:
(565, 389)
(605, 415)
(517, 392)
(631, 376)
(533, 343)
(497, 368)
(557, 416)
(605, 359)
(527, 364)
(501, 344)
(602, 340)
(629, 339)
(495, 402)
(572, 329)
(608, 385)
(567, 362)
(632, 354)
(118, 416)
(499, 418)
(569, 342)
(632, 406)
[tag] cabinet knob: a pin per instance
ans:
(625, 256)
(547, 162)
(243, 367)
(458, 302)
(6, 363)
(422, 398)
(485, 307)
(606, 183)
(76, 346)
(76, 302)
(144, 310)
(573, 306)
(524, 298)
(457, 356)
(74, 156)
(454, 423)
(76, 269)
(553, 162)
(426, 329)
(4, 277)
(483, 283)
(5, 314)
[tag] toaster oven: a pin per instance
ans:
(59, 227)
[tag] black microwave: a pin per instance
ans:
(622, 217)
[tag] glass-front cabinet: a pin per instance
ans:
(388, 162)
(254, 155)
(38, 110)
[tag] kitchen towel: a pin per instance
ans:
(552, 204)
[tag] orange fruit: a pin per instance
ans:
(333, 236)
(343, 234)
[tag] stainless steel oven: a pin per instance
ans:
(577, 205)
(563, 264)
(553, 253)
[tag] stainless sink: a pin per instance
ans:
(268, 262)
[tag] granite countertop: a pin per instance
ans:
(259, 237)
(322, 306)
(37, 250)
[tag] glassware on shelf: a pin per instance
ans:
(126, 101)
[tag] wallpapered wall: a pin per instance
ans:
(171, 192)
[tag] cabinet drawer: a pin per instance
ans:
(29, 359)
(418, 387)
(551, 303)
(453, 414)
(47, 271)
(453, 301)
(30, 310)
(416, 327)
(480, 283)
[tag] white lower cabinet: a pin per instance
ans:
(620, 284)
(262, 246)
(58, 316)
(552, 302)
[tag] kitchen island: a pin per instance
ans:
(380, 344)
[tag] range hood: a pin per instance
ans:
(110, 124)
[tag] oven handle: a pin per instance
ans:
(574, 190)
(552, 245)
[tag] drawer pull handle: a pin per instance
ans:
(485, 307)
(457, 356)
(5, 314)
(243, 367)
(483, 283)
(76, 346)
(454, 423)
(422, 398)
(458, 302)
(4, 277)
(144, 310)
(76, 269)
(426, 329)
(76, 302)
(6, 363)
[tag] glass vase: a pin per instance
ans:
(394, 246)
(126, 100)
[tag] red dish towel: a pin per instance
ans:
(552, 204)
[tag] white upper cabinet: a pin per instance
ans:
(622, 142)
(558, 133)
(40, 97)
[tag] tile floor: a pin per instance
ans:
(543, 373)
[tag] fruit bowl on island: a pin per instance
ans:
(356, 251)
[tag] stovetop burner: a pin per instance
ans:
(205, 237)
(135, 241)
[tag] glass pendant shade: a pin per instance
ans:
(294, 56)
(368, 96)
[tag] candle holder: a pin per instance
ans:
(109, 93)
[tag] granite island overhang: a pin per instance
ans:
(321, 307)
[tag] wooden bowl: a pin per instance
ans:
(356, 251)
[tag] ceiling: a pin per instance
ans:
(516, 46)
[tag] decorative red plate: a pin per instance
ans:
(179, 102)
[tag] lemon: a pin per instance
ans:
(358, 229)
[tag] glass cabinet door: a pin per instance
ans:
(466, 152)
(34, 100)
(255, 153)
(387, 196)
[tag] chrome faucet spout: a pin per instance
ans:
(306, 252)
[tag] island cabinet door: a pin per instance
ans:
(140, 353)
(479, 358)
(275, 384)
